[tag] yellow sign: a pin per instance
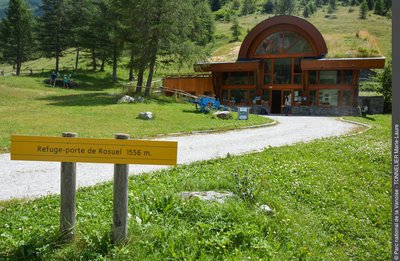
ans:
(93, 150)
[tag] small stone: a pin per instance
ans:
(207, 195)
(145, 115)
(265, 208)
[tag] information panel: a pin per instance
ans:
(37, 148)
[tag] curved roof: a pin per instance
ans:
(281, 23)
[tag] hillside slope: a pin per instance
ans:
(34, 4)
(346, 35)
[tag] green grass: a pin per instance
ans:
(330, 200)
(30, 107)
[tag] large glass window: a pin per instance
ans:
(312, 98)
(329, 97)
(298, 97)
(297, 72)
(239, 95)
(268, 71)
(284, 42)
(312, 76)
(328, 77)
(238, 78)
(346, 99)
(283, 71)
(348, 77)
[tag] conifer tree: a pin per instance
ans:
(306, 11)
(285, 7)
(379, 8)
(363, 10)
(371, 4)
(235, 29)
(53, 30)
(268, 7)
(17, 34)
(79, 14)
(385, 78)
(248, 7)
(333, 4)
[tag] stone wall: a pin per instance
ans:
(326, 111)
(375, 103)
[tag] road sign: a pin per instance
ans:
(37, 148)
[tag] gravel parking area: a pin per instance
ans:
(31, 179)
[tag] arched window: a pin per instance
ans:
(285, 42)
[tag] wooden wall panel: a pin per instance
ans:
(191, 84)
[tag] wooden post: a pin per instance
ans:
(68, 195)
(120, 214)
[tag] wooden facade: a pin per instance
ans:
(193, 84)
(285, 56)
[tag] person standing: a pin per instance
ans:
(53, 77)
(287, 105)
(65, 81)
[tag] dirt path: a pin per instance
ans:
(24, 179)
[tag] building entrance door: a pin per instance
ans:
(276, 102)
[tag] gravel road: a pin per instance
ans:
(31, 179)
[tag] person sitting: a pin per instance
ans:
(66, 81)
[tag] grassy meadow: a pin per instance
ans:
(345, 36)
(30, 107)
(330, 200)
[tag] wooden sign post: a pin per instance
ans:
(120, 211)
(68, 195)
(69, 149)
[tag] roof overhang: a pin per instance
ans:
(251, 65)
(343, 63)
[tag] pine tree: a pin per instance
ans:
(385, 78)
(78, 13)
(53, 30)
(235, 29)
(285, 7)
(379, 8)
(371, 4)
(17, 34)
(363, 10)
(268, 7)
(333, 4)
(248, 7)
(306, 11)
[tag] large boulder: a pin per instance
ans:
(225, 115)
(146, 115)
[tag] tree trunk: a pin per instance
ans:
(94, 59)
(150, 77)
(18, 68)
(131, 67)
(103, 62)
(57, 60)
(140, 80)
(77, 59)
(115, 63)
